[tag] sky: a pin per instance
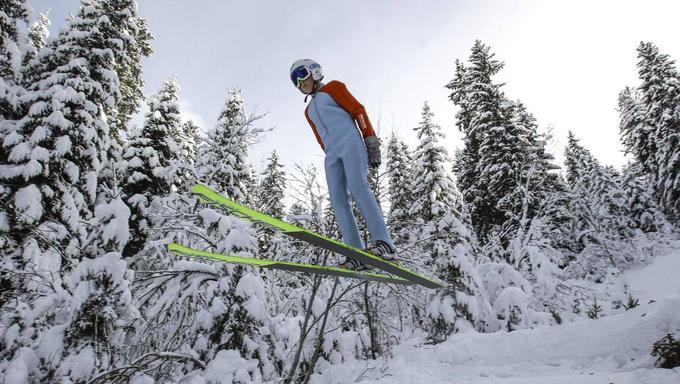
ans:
(566, 61)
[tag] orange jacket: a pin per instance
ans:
(340, 94)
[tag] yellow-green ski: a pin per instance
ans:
(209, 196)
(286, 265)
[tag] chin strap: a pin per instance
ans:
(315, 88)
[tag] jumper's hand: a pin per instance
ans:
(373, 149)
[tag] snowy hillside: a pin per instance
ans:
(613, 349)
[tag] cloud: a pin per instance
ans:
(188, 113)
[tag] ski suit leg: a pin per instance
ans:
(355, 162)
(339, 195)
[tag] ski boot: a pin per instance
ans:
(382, 250)
(378, 248)
(354, 265)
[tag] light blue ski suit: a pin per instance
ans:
(332, 113)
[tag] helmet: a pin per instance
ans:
(303, 68)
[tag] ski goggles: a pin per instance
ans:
(300, 73)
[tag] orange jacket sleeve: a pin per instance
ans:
(311, 124)
(339, 92)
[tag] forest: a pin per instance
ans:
(89, 201)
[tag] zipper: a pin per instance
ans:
(316, 109)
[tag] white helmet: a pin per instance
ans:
(302, 69)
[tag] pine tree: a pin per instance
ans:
(271, 192)
(11, 12)
(482, 110)
(187, 158)
(538, 192)
(151, 161)
(650, 125)
(56, 153)
(504, 156)
(272, 188)
(36, 40)
(129, 38)
(601, 220)
(640, 205)
(399, 172)
(637, 136)
(71, 238)
(445, 235)
(432, 185)
(213, 309)
(223, 165)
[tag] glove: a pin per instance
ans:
(373, 149)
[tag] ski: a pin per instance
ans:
(211, 197)
(286, 265)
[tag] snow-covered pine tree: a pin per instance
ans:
(501, 145)
(432, 185)
(445, 236)
(151, 159)
(464, 165)
(504, 155)
(213, 309)
(660, 94)
(296, 214)
(67, 318)
(531, 252)
(400, 175)
(637, 135)
(269, 200)
(272, 188)
(601, 221)
(597, 186)
(37, 38)
(650, 126)
(222, 165)
(11, 14)
(481, 109)
(129, 38)
(187, 158)
(640, 205)
(535, 207)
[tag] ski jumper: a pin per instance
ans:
(332, 113)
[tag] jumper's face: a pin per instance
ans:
(307, 85)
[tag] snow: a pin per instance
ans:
(32, 168)
(110, 264)
(229, 367)
(24, 362)
(612, 349)
(655, 281)
(72, 171)
(251, 287)
(79, 366)
(28, 202)
(63, 145)
(11, 139)
(21, 151)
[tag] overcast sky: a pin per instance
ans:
(565, 60)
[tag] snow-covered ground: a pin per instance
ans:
(613, 349)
